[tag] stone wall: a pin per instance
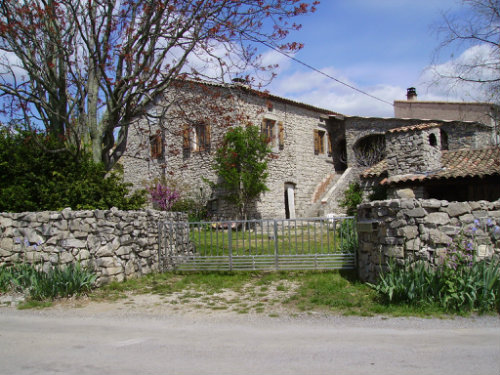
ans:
(116, 244)
(460, 134)
(422, 229)
(412, 152)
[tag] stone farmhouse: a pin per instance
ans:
(316, 153)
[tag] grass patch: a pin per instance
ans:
(34, 304)
(330, 292)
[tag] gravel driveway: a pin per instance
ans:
(144, 337)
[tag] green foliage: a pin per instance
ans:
(241, 163)
(196, 210)
(353, 196)
(66, 281)
(464, 288)
(348, 236)
(36, 176)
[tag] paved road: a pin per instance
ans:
(69, 342)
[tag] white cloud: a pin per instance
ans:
(319, 90)
(477, 62)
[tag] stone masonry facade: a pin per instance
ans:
(296, 163)
(115, 244)
(422, 229)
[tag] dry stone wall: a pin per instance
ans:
(417, 229)
(116, 244)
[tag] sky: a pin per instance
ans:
(379, 46)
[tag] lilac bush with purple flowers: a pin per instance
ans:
(163, 197)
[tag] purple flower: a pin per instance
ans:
(489, 222)
(163, 196)
(17, 240)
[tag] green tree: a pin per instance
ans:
(241, 164)
(36, 176)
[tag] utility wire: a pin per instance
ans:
(321, 72)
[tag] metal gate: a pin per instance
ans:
(283, 244)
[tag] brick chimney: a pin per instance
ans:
(411, 93)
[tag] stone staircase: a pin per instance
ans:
(329, 191)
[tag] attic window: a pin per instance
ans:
(432, 140)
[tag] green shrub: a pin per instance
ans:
(66, 281)
(353, 196)
(196, 211)
(36, 175)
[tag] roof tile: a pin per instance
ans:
(455, 164)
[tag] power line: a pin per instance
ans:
(322, 73)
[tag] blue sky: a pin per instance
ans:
(379, 46)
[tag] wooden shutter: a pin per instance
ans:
(281, 135)
(207, 138)
(185, 138)
(316, 142)
(330, 148)
(156, 146)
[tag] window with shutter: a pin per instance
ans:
(267, 129)
(202, 138)
(156, 146)
(281, 135)
(319, 142)
(186, 142)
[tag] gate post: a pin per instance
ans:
(276, 255)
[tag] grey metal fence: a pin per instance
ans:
(279, 244)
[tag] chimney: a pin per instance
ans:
(411, 93)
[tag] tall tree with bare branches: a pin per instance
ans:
(83, 69)
(476, 28)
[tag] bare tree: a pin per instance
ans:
(476, 27)
(86, 69)
(370, 150)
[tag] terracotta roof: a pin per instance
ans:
(414, 127)
(455, 164)
(375, 170)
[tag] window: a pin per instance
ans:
(196, 138)
(330, 148)
(444, 140)
(433, 140)
(268, 130)
(201, 141)
(319, 142)
(156, 146)
(281, 135)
